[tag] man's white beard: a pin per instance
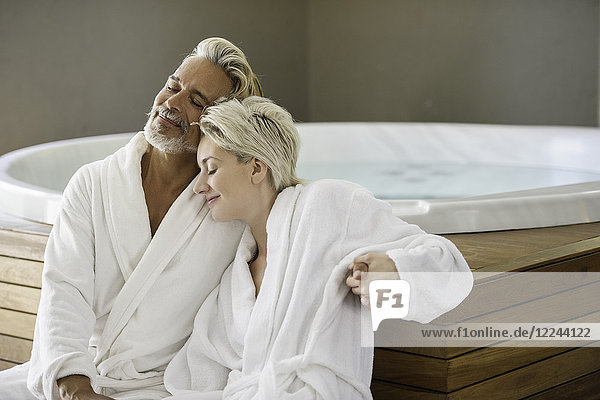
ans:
(169, 145)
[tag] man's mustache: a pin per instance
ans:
(166, 113)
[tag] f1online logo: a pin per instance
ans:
(389, 299)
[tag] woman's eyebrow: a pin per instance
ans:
(204, 160)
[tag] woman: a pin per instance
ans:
(283, 324)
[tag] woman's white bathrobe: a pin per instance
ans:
(300, 338)
(117, 304)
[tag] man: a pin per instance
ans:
(133, 254)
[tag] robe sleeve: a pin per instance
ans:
(65, 319)
(436, 271)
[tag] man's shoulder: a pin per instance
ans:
(93, 168)
(89, 171)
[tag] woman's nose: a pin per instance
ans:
(200, 187)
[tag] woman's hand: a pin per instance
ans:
(359, 272)
(78, 387)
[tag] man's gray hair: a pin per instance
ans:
(256, 127)
(232, 60)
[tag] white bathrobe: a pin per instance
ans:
(117, 304)
(300, 338)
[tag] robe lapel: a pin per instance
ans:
(239, 297)
(125, 205)
(263, 319)
(180, 222)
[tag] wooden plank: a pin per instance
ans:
(19, 298)
(22, 245)
(21, 272)
(588, 262)
(585, 263)
(478, 366)
(514, 295)
(472, 366)
(488, 248)
(552, 378)
(17, 324)
(583, 304)
(547, 256)
(587, 387)
(487, 362)
(581, 264)
(584, 297)
(10, 222)
(15, 349)
(437, 352)
(449, 375)
(383, 390)
(400, 368)
(6, 365)
(535, 377)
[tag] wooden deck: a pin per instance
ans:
(503, 372)
(426, 373)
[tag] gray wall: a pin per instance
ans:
(76, 68)
(488, 61)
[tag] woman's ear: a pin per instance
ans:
(260, 171)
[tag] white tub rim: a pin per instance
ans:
(415, 211)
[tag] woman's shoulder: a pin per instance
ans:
(335, 187)
(331, 194)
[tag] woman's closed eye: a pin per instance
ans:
(209, 171)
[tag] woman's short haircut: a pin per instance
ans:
(256, 127)
(232, 60)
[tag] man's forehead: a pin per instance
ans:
(192, 59)
(196, 65)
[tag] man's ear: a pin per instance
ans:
(260, 171)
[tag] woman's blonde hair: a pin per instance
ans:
(256, 127)
(232, 60)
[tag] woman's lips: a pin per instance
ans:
(211, 200)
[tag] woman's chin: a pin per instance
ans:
(219, 217)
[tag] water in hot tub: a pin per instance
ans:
(387, 180)
(443, 180)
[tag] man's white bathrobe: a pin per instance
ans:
(300, 338)
(117, 304)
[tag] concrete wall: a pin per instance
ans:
(490, 61)
(75, 68)
(71, 68)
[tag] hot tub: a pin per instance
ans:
(447, 178)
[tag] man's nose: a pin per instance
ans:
(174, 102)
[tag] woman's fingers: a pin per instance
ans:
(358, 269)
(357, 272)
